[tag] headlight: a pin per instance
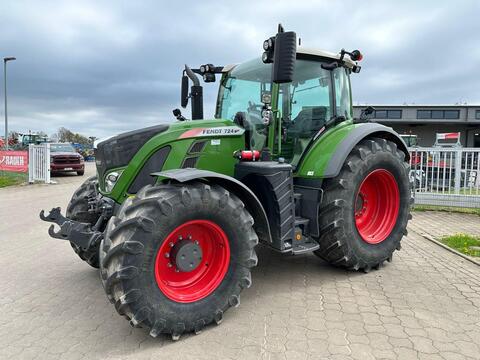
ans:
(111, 179)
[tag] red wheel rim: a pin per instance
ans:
(376, 206)
(197, 284)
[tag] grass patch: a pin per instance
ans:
(463, 243)
(450, 209)
(12, 178)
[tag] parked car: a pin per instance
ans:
(64, 158)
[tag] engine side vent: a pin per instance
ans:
(190, 162)
(197, 147)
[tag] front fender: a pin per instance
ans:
(328, 154)
(252, 204)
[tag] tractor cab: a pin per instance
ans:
(298, 111)
(284, 100)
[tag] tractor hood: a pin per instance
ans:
(135, 155)
(117, 151)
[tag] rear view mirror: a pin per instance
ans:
(369, 110)
(184, 95)
(285, 53)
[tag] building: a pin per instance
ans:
(425, 121)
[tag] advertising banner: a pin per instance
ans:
(16, 161)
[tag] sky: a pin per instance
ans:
(103, 67)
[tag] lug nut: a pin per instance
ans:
(196, 242)
(167, 255)
(189, 237)
(169, 265)
(171, 244)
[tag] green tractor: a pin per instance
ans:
(175, 212)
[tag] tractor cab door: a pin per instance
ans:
(307, 103)
(240, 100)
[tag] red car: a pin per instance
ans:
(64, 158)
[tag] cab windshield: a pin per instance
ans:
(304, 106)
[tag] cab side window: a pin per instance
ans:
(342, 93)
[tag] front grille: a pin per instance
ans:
(66, 159)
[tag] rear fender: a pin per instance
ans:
(328, 154)
(252, 204)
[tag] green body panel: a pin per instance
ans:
(215, 156)
(316, 160)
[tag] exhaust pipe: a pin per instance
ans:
(196, 94)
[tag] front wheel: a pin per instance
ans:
(365, 209)
(177, 257)
(78, 210)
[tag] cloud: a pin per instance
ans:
(104, 67)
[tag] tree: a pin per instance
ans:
(65, 135)
(13, 138)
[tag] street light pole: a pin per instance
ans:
(5, 60)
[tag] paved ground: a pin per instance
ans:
(439, 224)
(425, 304)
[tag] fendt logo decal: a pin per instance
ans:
(215, 131)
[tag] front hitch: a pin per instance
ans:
(80, 234)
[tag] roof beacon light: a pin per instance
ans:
(356, 55)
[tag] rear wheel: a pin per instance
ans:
(78, 210)
(81, 172)
(365, 209)
(177, 257)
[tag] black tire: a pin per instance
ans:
(136, 234)
(80, 173)
(340, 241)
(78, 210)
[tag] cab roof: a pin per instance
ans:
(326, 55)
(313, 53)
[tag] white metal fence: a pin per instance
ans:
(39, 163)
(446, 176)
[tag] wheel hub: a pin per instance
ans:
(186, 255)
(377, 206)
(192, 261)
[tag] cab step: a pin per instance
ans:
(301, 221)
(305, 247)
